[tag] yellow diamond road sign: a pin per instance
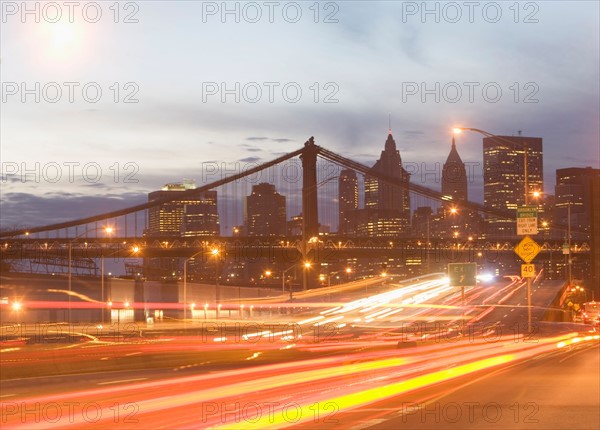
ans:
(527, 249)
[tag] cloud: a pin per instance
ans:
(250, 159)
(29, 210)
(264, 138)
(250, 148)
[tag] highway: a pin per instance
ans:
(348, 368)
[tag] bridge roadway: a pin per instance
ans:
(281, 250)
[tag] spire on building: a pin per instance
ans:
(390, 143)
(454, 176)
(454, 157)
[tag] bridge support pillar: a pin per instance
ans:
(310, 214)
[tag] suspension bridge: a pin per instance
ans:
(306, 177)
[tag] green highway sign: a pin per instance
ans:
(527, 212)
(462, 274)
(527, 220)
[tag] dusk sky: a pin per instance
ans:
(371, 60)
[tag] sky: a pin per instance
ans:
(106, 102)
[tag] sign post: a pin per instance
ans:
(462, 275)
(527, 249)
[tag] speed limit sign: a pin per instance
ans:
(527, 270)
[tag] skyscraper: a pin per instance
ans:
(265, 212)
(595, 232)
(195, 216)
(454, 177)
(504, 177)
(387, 206)
(348, 200)
(454, 220)
(573, 188)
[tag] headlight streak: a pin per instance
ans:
(311, 379)
(350, 401)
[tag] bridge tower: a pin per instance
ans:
(310, 214)
(310, 217)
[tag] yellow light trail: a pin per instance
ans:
(360, 398)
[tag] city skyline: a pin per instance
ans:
(261, 214)
(171, 130)
(474, 182)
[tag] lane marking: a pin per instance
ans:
(121, 380)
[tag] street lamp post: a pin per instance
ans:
(214, 252)
(526, 198)
(107, 230)
(427, 245)
(283, 281)
(323, 276)
(306, 265)
(569, 259)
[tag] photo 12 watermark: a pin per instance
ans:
(470, 12)
(270, 12)
(54, 12)
(52, 172)
(470, 92)
(269, 92)
(469, 412)
(69, 92)
(67, 412)
(253, 412)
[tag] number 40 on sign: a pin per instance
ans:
(527, 270)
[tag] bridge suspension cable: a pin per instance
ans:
(132, 209)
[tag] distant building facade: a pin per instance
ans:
(194, 216)
(454, 178)
(594, 211)
(504, 177)
(348, 201)
(387, 207)
(574, 189)
(265, 211)
(453, 219)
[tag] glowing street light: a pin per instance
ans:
(458, 130)
(306, 265)
(107, 230)
(215, 253)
